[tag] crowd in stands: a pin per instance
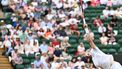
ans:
(35, 21)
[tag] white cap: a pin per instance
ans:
(13, 14)
(37, 54)
(1, 43)
(79, 58)
(82, 64)
(32, 63)
(8, 26)
(2, 20)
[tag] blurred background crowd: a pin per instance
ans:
(38, 33)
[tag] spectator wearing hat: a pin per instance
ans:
(102, 29)
(79, 63)
(38, 63)
(43, 57)
(4, 3)
(31, 66)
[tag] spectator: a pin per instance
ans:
(57, 52)
(80, 63)
(106, 12)
(40, 33)
(114, 21)
(115, 2)
(14, 54)
(97, 22)
(68, 31)
(109, 3)
(59, 5)
(95, 3)
(35, 47)
(43, 48)
(74, 28)
(118, 13)
(48, 34)
(120, 2)
(91, 66)
(27, 47)
(81, 49)
(51, 49)
(18, 60)
(4, 3)
(47, 64)
(60, 33)
(55, 21)
(109, 28)
(112, 40)
(101, 29)
(55, 43)
(7, 45)
(65, 54)
(36, 25)
(111, 33)
(64, 44)
(63, 63)
(83, 66)
(112, 12)
(73, 62)
(31, 66)
(104, 39)
(38, 63)
(20, 48)
(103, 2)
(55, 64)
(44, 57)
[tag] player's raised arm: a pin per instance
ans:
(90, 38)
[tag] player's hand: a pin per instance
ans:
(88, 37)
